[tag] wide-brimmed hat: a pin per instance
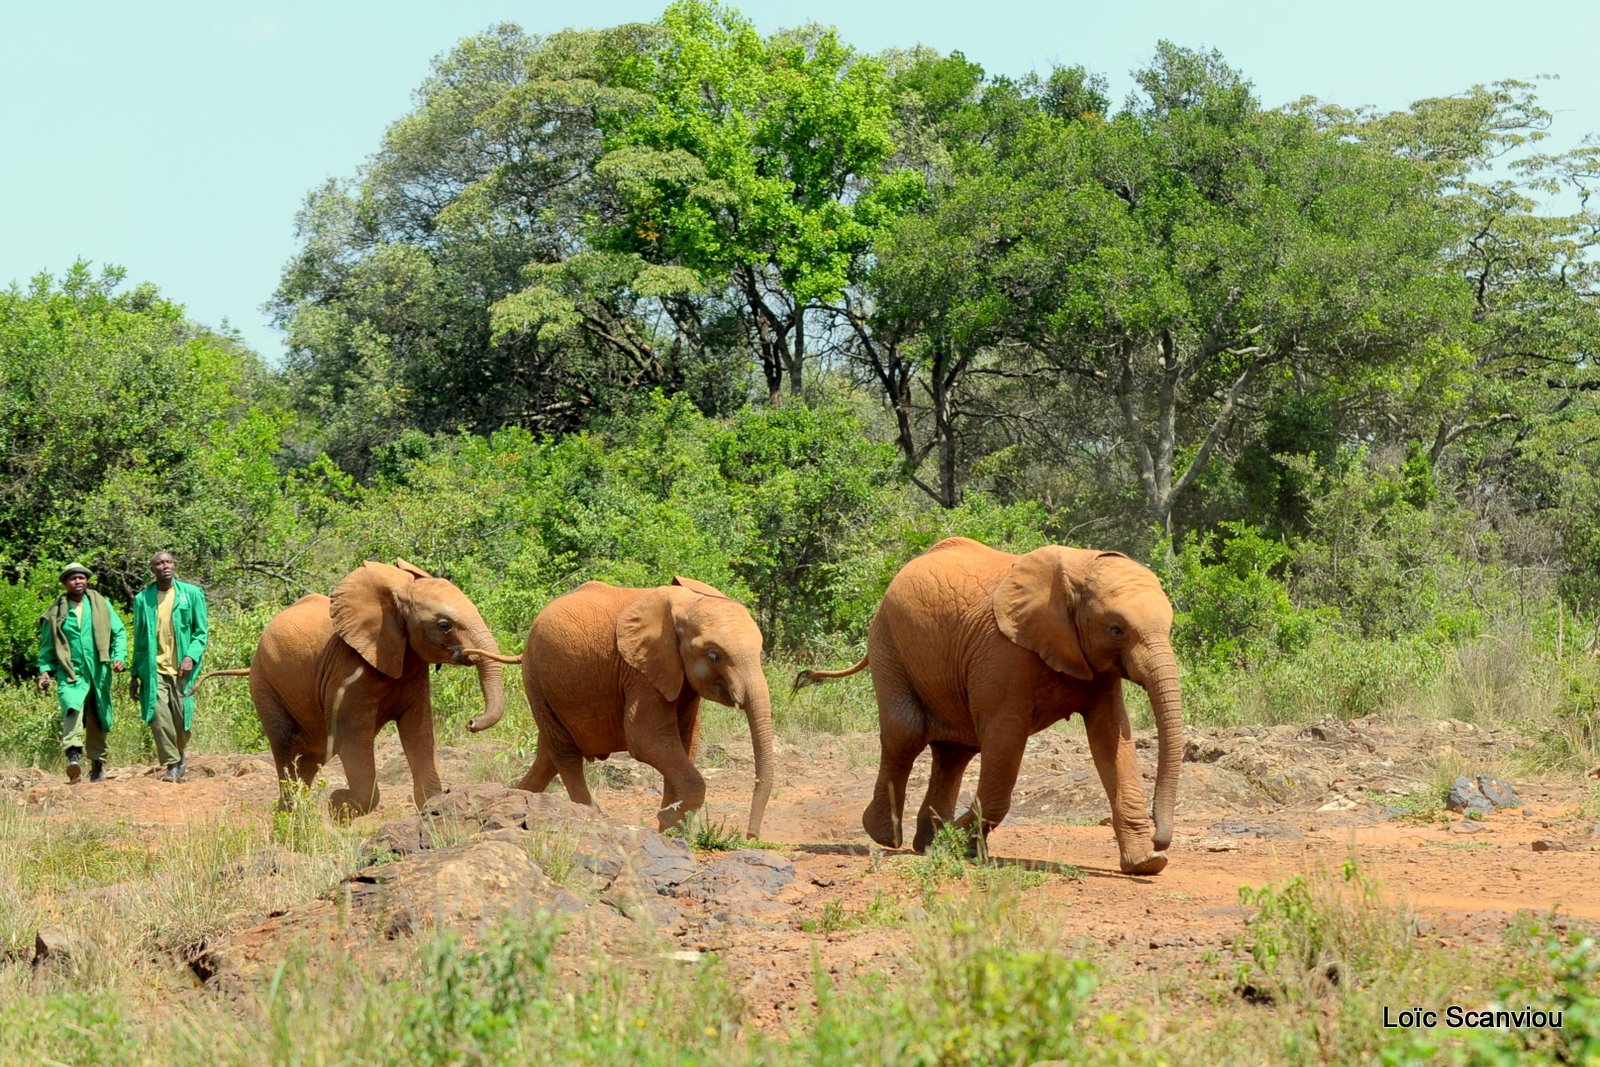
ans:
(74, 568)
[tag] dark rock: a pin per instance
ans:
(1499, 793)
(1548, 844)
(1466, 796)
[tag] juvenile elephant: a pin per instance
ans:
(609, 669)
(973, 650)
(329, 672)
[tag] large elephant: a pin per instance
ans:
(611, 669)
(973, 650)
(329, 672)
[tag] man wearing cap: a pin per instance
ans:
(81, 641)
(169, 641)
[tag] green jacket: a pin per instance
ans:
(188, 627)
(78, 658)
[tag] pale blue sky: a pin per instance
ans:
(178, 139)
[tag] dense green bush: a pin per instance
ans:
(1231, 606)
(1391, 566)
(21, 604)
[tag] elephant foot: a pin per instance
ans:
(344, 806)
(670, 816)
(927, 829)
(882, 829)
(1154, 863)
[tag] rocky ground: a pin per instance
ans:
(1258, 804)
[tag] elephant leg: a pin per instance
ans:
(542, 773)
(416, 741)
(689, 736)
(689, 733)
(301, 767)
(361, 772)
(1002, 758)
(569, 764)
(654, 737)
(944, 786)
(555, 753)
(1111, 744)
(289, 762)
(902, 735)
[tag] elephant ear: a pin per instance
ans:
(1036, 606)
(411, 568)
(366, 614)
(699, 587)
(648, 640)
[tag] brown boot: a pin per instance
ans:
(74, 764)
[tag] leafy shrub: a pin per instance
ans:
(1314, 935)
(1392, 566)
(21, 604)
(1231, 605)
(974, 1002)
(1565, 979)
(808, 482)
(30, 726)
(472, 1001)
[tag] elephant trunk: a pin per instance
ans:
(758, 709)
(491, 680)
(1159, 677)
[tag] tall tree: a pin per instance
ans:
(1526, 231)
(1195, 253)
(387, 306)
(758, 165)
(928, 320)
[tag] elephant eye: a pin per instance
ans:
(1116, 631)
(444, 624)
(713, 655)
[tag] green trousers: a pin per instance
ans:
(82, 729)
(167, 726)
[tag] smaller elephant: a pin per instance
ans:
(610, 669)
(329, 672)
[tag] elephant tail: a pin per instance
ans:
(498, 657)
(237, 672)
(812, 677)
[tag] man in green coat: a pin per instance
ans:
(81, 642)
(169, 642)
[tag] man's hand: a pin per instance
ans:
(44, 683)
(186, 667)
(135, 687)
(119, 666)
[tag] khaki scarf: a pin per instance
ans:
(99, 621)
